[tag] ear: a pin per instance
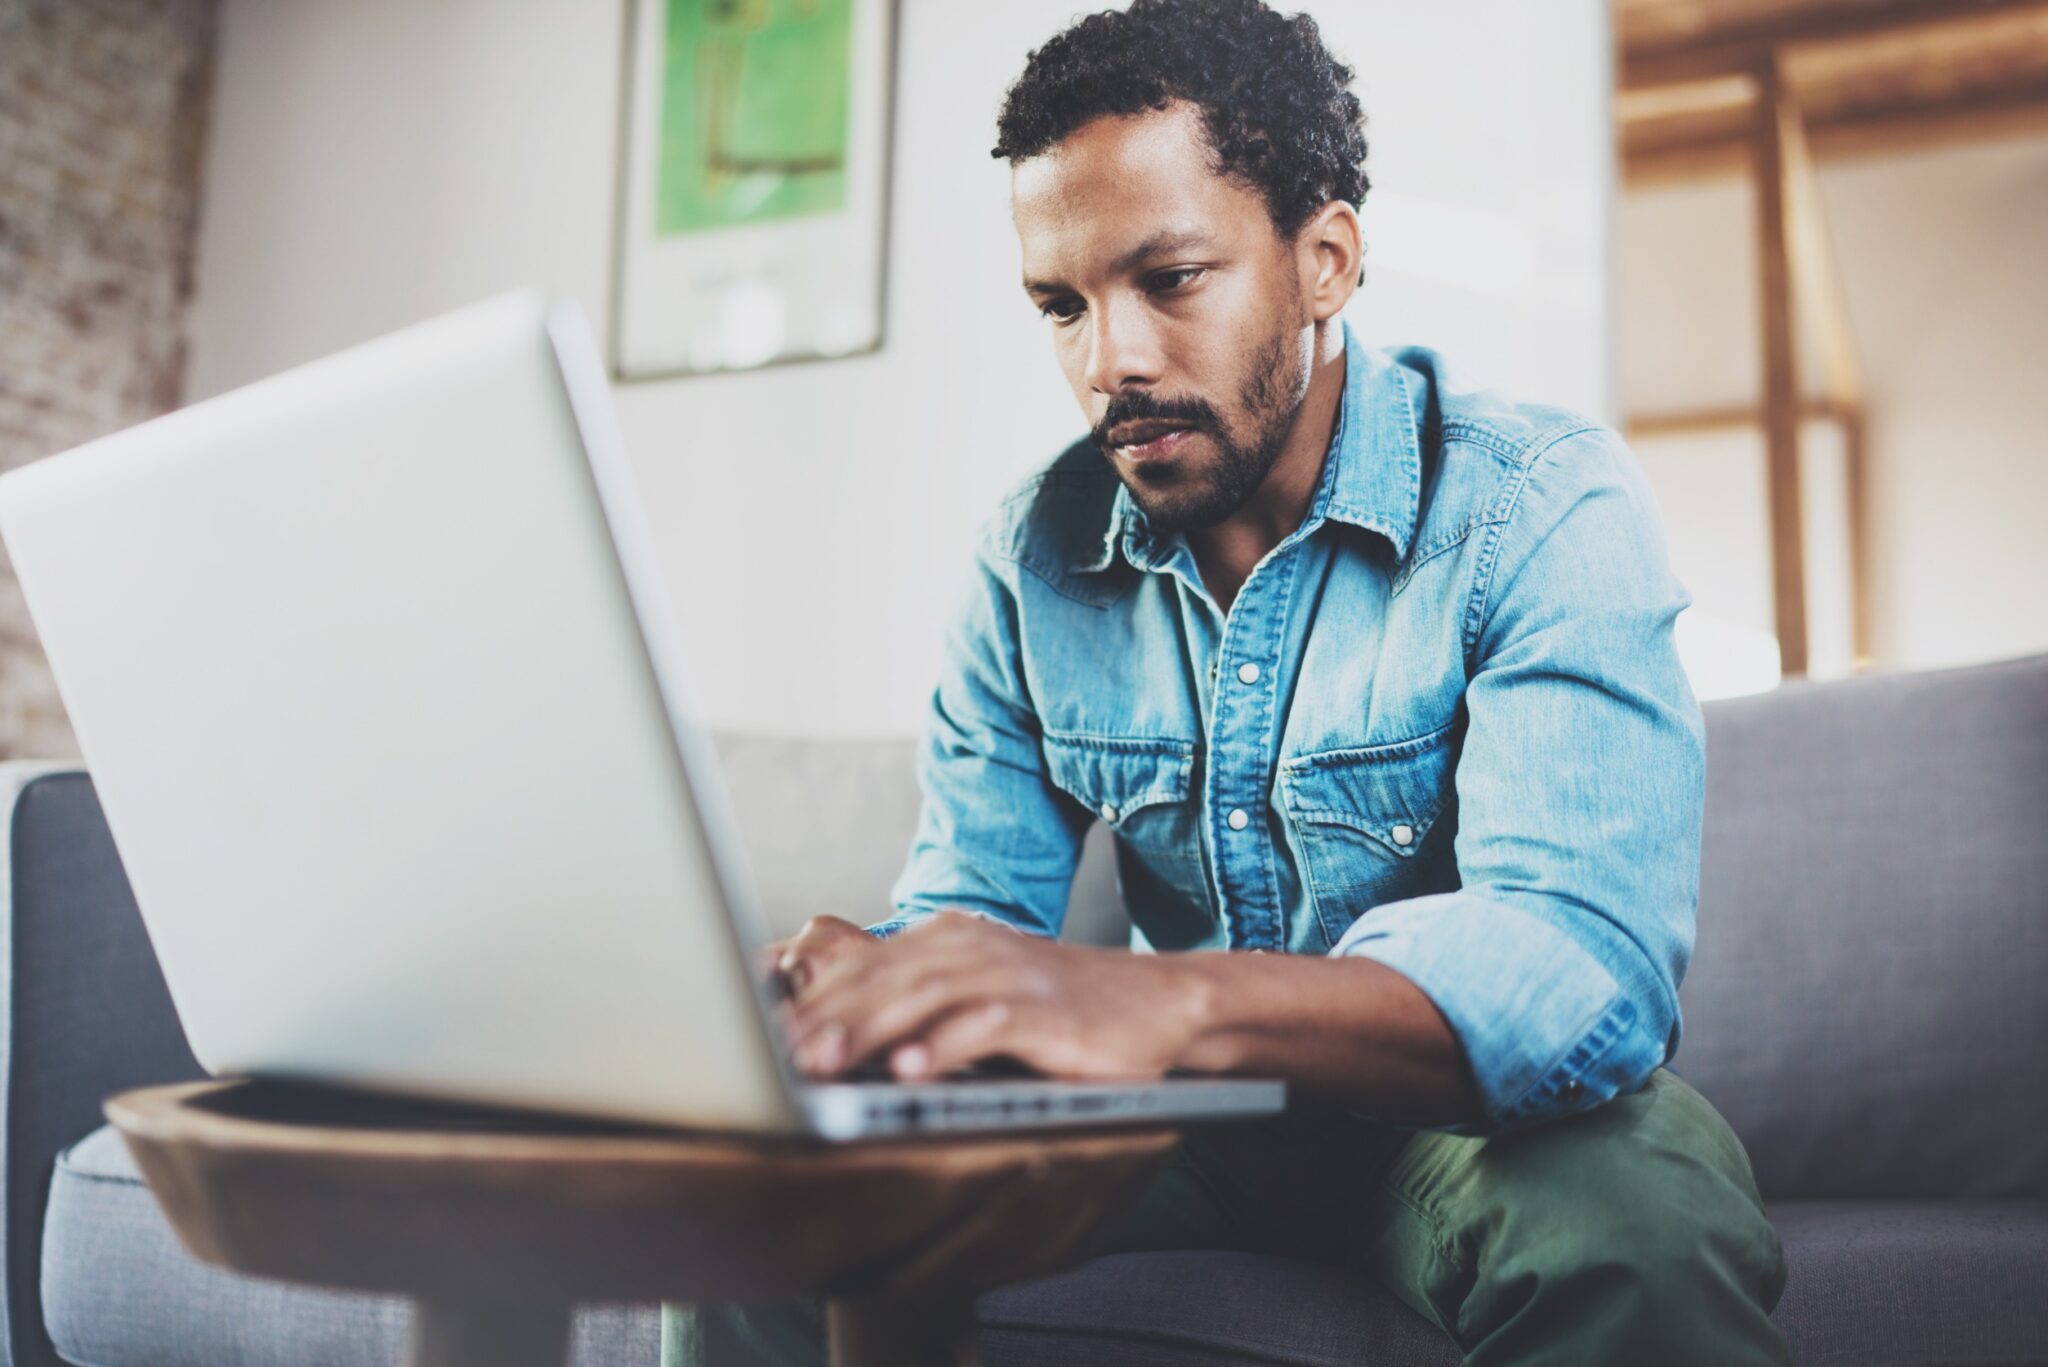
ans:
(1331, 251)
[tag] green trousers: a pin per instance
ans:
(1630, 1234)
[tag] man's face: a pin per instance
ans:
(1179, 314)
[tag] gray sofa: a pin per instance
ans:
(1866, 1006)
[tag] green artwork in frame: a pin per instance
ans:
(754, 101)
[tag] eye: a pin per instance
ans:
(1061, 308)
(1177, 278)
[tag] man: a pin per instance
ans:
(1373, 680)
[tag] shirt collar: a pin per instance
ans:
(1376, 452)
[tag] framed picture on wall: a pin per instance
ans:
(752, 214)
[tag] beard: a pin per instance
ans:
(1189, 495)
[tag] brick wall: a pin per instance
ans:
(102, 118)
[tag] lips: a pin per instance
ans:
(1147, 441)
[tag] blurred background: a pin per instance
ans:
(1794, 247)
(1831, 304)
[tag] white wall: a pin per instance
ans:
(1946, 284)
(375, 162)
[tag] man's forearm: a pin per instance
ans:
(1350, 1032)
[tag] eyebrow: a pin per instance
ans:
(1162, 243)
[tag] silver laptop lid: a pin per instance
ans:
(394, 765)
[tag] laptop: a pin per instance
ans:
(371, 667)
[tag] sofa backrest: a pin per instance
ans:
(827, 823)
(1866, 1002)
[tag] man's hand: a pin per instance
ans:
(956, 988)
(825, 945)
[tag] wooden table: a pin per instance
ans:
(497, 1225)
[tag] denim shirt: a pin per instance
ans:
(1443, 726)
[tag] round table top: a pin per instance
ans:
(459, 1203)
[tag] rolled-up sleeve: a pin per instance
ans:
(1579, 788)
(994, 836)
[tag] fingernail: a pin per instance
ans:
(829, 1051)
(912, 1060)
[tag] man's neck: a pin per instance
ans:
(1227, 553)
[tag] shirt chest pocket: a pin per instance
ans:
(1371, 822)
(1138, 786)
(1143, 789)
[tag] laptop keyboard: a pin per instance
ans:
(998, 1069)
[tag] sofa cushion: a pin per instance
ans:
(1870, 1284)
(1864, 1004)
(1873, 1282)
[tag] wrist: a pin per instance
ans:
(1196, 1004)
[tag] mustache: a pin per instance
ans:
(1136, 406)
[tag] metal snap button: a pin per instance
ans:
(1404, 836)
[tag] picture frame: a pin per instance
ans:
(751, 215)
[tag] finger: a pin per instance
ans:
(788, 967)
(832, 950)
(796, 971)
(953, 1042)
(832, 1038)
(836, 1044)
(825, 946)
(898, 969)
(905, 1017)
(843, 1027)
(858, 985)
(815, 966)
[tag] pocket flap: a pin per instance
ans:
(1393, 793)
(1119, 774)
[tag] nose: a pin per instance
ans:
(1123, 350)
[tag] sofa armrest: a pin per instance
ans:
(83, 1012)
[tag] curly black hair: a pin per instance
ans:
(1276, 105)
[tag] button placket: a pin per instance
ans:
(1242, 723)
